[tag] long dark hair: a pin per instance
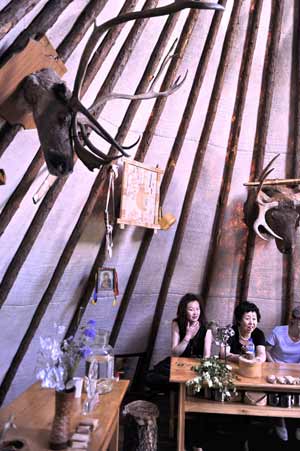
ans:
(181, 317)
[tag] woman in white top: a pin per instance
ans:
(283, 345)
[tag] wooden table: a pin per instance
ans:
(181, 371)
(34, 413)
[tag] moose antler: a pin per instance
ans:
(86, 151)
(265, 203)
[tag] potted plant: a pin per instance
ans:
(214, 374)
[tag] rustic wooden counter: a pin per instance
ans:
(34, 413)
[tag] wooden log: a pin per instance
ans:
(144, 83)
(271, 182)
(140, 427)
(170, 168)
(97, 190)
(7, 135)
(64, 50)
(263, 117)
(232, 145)
(95, 63)
(192, 184)
(291, 262)
(2, 177)
(38, 27)
(80, 27)
(17, 196)
(123, 55)
(168, 80)
(13, 13)
(45, 207)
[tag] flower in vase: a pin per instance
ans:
(213, 373)
(58, 358)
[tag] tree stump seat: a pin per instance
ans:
(140, 426)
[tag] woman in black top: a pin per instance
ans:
(189, 334)
(246, 316)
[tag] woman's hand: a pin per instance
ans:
(191, 330)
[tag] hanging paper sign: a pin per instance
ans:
(140, 195)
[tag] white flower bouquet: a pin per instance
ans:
(215, 374)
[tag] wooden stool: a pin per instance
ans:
(140, 431)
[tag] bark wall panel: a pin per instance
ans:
(266, 277)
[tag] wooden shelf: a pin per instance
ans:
(193, 404)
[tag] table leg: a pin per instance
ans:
(114, 442)
(181, 418)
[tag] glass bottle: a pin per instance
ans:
(103, 353)
(250, 349)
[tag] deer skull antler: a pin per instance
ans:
(86, 151)
(265, 203)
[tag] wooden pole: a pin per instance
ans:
(97, 190)
(39, 26)
(291, 262)
(271, 182)
(232, 145)
(262, 123)
(13, 13)
(94, 66)
(47, 203)
(170, 168)
(192, 184)
(151, 68)
(16, 198)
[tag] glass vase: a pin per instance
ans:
(103, 354)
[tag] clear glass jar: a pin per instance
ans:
(103, 354)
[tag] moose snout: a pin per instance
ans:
(59, 164)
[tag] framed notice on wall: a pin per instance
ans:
(140, 195)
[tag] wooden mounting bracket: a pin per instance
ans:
(35, 56)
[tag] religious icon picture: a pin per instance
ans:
(106, 279)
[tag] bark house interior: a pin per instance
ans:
(238, 107)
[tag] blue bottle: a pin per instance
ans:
(250, 348)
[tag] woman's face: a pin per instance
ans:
(248, 322)
(193, 311)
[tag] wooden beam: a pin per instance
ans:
(97, 190)
(262, 124)
(170, 168)
(271, 182)
(13, 13)
(192, 184)
(38, 27)
(94, 64)
(232, 145)
(151, 68)
(291, 262)
(64, 50)
(2, 177)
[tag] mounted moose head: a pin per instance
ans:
(63, 122)
(275, 211)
